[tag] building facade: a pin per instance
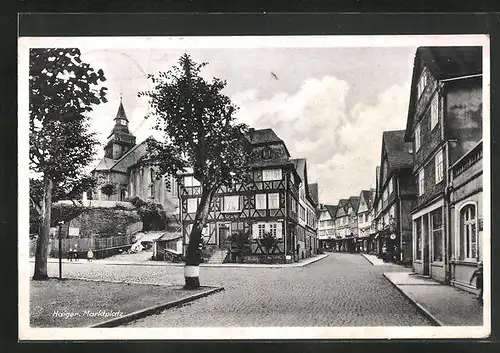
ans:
(444, 122)
(466, 217)
(396, 198)
(364, 219)
(326, 227)
(276, 201)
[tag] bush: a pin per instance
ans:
(65, 212)
(152, 214)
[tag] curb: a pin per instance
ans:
(419, 307)
(367, 259)
(153, 309)
(227, 265)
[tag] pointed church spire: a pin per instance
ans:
(121, 112)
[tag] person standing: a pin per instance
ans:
(70, 254)
(90, 255)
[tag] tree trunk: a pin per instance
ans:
(193, 255)
(43, 237)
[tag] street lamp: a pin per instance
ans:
(60, 223)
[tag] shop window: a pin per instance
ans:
(468, 234)
(418, 238)
(437, 234)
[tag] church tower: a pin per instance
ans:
(120, 140)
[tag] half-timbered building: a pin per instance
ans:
(326, 226)
(270, 203)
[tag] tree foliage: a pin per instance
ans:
(200, 132)
(109, 189)
(152, 214)
(62, 91)
(268, 241)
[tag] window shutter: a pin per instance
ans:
(279, 230)
(255, 231)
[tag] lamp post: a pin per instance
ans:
(60, 223)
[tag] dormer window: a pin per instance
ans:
(266, 153)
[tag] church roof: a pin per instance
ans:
(105, 164)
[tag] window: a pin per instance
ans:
(422, 83)
(260, 201)
(192, 205)
(418, 238)
(437, 234)
(259, 229)
(231, 203)
(274, 201)
(421, 182)
(468, 236)
(438, 163)
(417, 137)
(385, 195)
(434, 112)
(191, 181)
(262, 229)
(390, 186)
(266, 153)
(271, 174)
(302, 214)
(273, 229)
(294, 205)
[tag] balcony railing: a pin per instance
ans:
(471, 157)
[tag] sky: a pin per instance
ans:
(329, 105)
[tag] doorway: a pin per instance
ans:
(224, 232)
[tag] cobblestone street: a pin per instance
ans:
(340, 290)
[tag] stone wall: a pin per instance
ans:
(104, 220)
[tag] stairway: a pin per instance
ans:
(218, 257)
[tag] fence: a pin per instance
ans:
(84, 244)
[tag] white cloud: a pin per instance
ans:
(342, 146)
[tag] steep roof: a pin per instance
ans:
(105, 164)
(398, 151)
(343, 206)
(300, 167)
(443, 63)
(354, 201)
(263, 136)
(121, 112)
(367, 196)
(313, 191)
(332, 210)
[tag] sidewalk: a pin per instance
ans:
(301, 263)
(375, 261)
(444, 305)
